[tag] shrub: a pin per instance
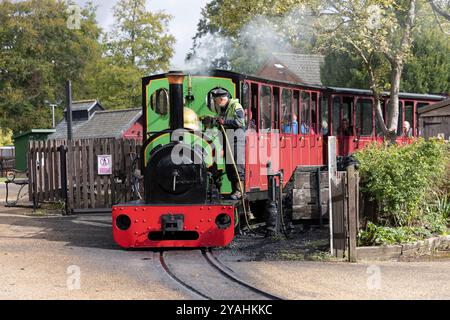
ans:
(399, 178)
(410, 185)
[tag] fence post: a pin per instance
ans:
(352, 212)
(63, 175)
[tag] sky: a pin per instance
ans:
(185, 13)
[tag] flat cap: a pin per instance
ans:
(219, 92)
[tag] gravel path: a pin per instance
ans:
(36, 254)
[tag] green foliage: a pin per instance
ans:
(399, 178)
(428, 69)
(139, 37)
(5, 137)
(379, 235)
(407, 182)
(38, 52)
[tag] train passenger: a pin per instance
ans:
(290, 127)
(294, 124)
(324, 130)
(306, 129)
(251, 125)
(345, 129)
(232, 116)
(407, 130)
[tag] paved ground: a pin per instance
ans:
(13, 189)
(36, 255)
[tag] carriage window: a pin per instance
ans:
(323, 120)
(265, 108)
(253, 116)
(346, 124)
(296, 112)
(409, 119)
(336, 116)
(306, 113)
(314, 112)
(364, 117)
(210, 100)
(159, 101)
(347, 109)
(286, 111)
(276, 108)
(400, 119)
(245, 95)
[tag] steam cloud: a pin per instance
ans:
(255, 42)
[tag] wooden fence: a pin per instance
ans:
(345, 210)
(67, 171)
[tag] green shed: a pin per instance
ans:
(21, 143)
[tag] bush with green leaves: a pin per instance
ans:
(408, 184)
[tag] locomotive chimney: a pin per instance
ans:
(176, 99)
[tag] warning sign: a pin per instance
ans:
(104, 164)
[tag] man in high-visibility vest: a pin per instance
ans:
(232, 116)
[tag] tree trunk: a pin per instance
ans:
(396, 72)
(393, 110)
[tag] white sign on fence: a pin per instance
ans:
(104, 164)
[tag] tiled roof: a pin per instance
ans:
(84, 105)
(61, 129)
(304, 66)
(102, 124)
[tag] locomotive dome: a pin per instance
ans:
(191, 120)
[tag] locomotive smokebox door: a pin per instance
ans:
(172, 222)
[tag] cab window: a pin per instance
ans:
(159, 101)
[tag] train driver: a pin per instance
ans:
(232, 116)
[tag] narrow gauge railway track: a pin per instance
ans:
(208, 278)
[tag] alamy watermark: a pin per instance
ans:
(73, 278)
(213, 145)
(74, 19)
(374, 278)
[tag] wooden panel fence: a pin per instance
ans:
(345, 210)
(55, 164)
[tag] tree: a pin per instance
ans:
(116, 86)
(139, 37)
(368, 28)
(241, 41)
(377, 35)
(441, 7)
(137, 46)
(427, 70)
(38, 52)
